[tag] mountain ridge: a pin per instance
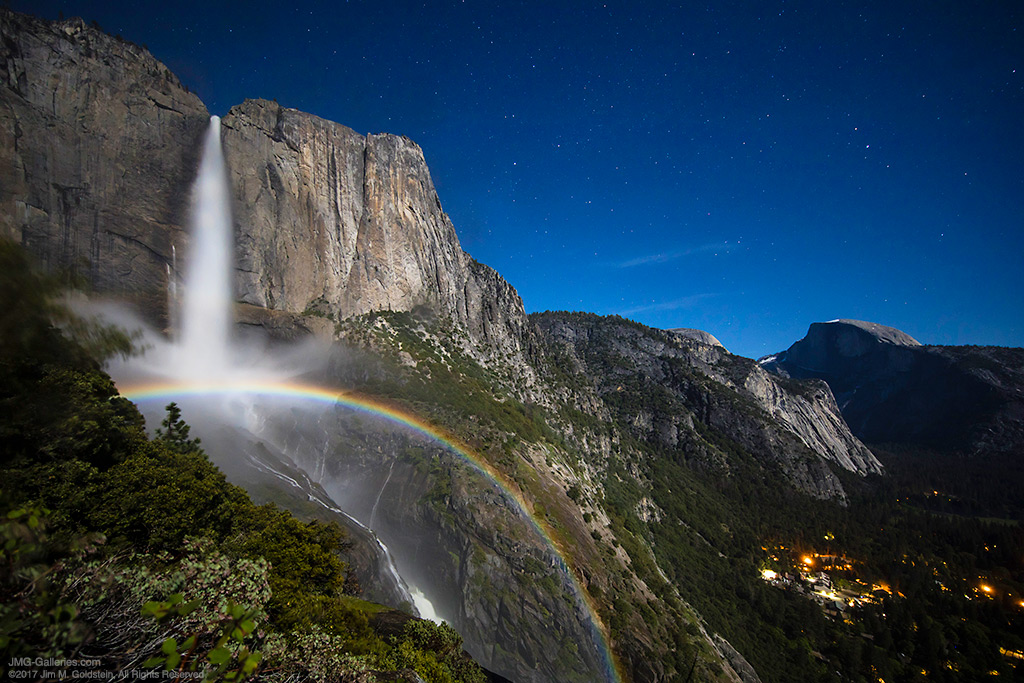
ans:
(892, 388)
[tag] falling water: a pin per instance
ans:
(373, 512)
(172, 294)
(201, 307)
(172, 289)
(206, 312)
(424, 606)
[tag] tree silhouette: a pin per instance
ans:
(174, 432)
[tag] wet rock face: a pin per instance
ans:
(457, 538)
(335, 223)
(98, 146)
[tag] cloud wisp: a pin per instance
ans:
(666, 256)
(684, 302)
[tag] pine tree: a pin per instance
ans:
(174, 432)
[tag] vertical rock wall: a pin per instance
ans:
(336, 223)
(98, 146)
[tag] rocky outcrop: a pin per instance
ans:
(457, 537)
(891, 389)
(335, 223)
(810, 411)
(697, 335)
(667, 385)
(98, 147)
(736, 660)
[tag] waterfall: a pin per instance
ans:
(424, 606)
(172, 291)
(206, 308)
(215, 373)
(373, 511)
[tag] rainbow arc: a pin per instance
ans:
(303, 391)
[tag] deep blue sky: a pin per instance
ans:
(746, 168)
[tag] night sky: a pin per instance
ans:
(746, 168)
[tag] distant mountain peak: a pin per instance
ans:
(882, 333)
(841, 338)
(893, 389)
(697, 335)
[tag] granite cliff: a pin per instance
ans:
(336, 224)
(662, 384)
(100, 146)
(99, 143)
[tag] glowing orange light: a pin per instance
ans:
(986, 588)
(808, 559)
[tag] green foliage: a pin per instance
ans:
(191, 567)
(574, 493)
(55, 401)
(174, 432)
(434, 651)
(37, 324)
(314, 653)
(228, 658)
(158, 495)
(447, 385)
(34, 619)
(27, 318)
(68, 414)
(319, 309)
(306, 567)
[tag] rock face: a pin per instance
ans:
(665, 384)
(457, 538)
(337, 224)
(98, 147)
(697, 335)
(810, 412)
(890, 388)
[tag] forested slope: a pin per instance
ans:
(124, 553)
